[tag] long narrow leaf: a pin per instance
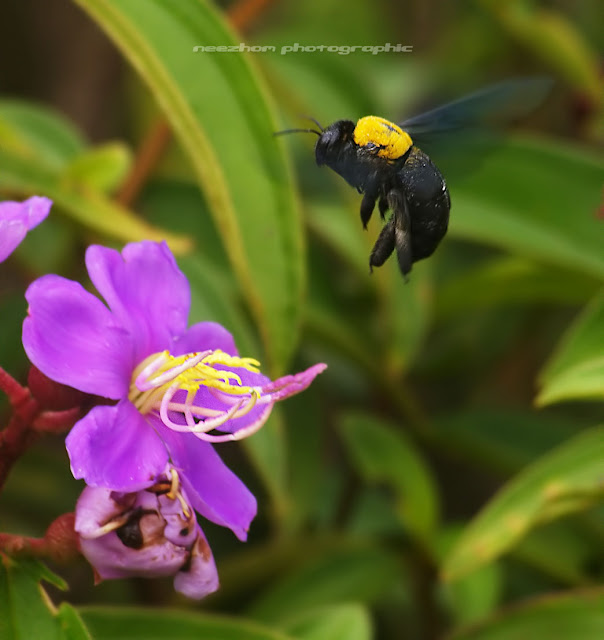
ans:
(219, 112)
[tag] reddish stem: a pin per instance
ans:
(60, 542)
(56, 421)
(17, 394)
(243, 13)
(18, 435)
(148, 155)
(27, 422)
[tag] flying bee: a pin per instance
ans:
(384, 161)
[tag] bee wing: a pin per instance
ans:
(460, 135)
(493, 106)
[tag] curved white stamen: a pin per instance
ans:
(110, 526)
(199, 412)
(203, 426)
(175, 494)
(227, 399)
(203, 412)
(214, 423)
(158, 379)
(140, 375)
(187, 410)
(199, 427)
(238, 435)
(174, 372)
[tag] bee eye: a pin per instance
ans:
(329, 138)
(326, 144)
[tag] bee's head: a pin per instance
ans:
(332, 141)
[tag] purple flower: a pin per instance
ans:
(17, 218)
(149, 533)
(174, 387)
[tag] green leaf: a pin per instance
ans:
(554, 38)
(537, 199)
(41, 153)
(298, 80)
(72, 625)
(103, 167)
(384, 315)
(345, 574)
(267, 451)
(374, 515)
(566, 480)
(52, 247)
(573, 616)
(25, 610)
(403, 307)
(511, 281)
(307, 475)
(408, 306)
(560, 550)
(381, 453)
(349, 621)
(179, 205)
(340, 228)
(38, 133)
(13, 308)
(474, 596)
(86, 205)
(220, 114)
(214, 297)
(576, 370)
(323, 318)
(107, 623)
(501, 440)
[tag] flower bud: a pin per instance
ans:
(51, 395)
(149, 533)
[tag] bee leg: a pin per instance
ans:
(402, 230)
(384, 206)
(384, 245)
(367, 206)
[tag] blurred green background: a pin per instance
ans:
(449, 463)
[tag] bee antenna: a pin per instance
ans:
(312, 120)
(280, 133)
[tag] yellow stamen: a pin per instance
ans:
(161, 373)
(175, 494)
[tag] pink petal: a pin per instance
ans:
(74, 339)
(203, 336)
(145, 289)
(115, 447)
(214, 490)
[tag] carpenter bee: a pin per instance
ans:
(385, 163)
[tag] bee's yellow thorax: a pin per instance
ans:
(392, 142)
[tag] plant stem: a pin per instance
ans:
(243, 13)
(147, 157)
(59, 543)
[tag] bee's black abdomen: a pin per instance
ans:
(428, 202)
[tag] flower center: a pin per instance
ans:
(171, 385)
(129, 510)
